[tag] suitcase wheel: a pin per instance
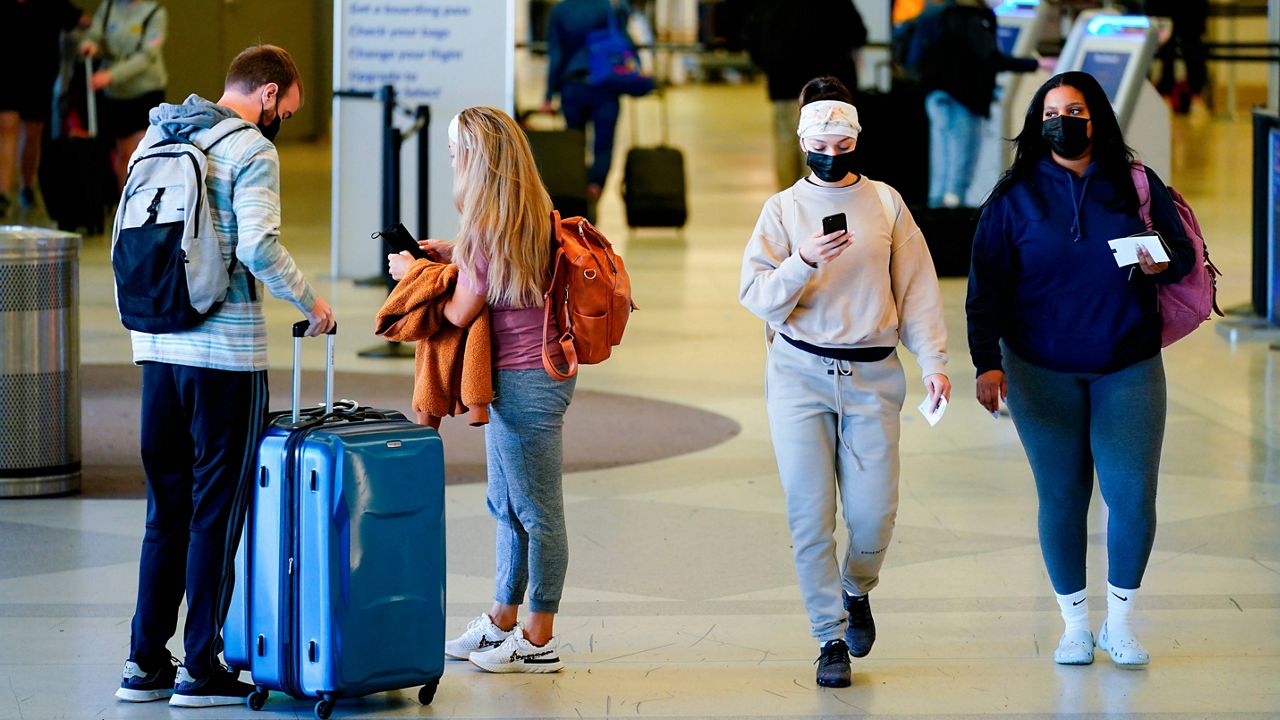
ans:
(257, 699)
(428, 692)
(324, 708)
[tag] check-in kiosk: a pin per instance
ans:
(1018, 27)
(1118, 50)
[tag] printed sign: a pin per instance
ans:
(447, 55)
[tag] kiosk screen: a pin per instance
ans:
(1108, 69)
(1007, 37)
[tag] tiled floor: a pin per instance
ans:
(682, 599)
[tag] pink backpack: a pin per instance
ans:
(1188, 302)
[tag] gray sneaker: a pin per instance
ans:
(138, 685)
(223, 687)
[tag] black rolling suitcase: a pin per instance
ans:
(653, 182)
(76, 177)
(561, 155)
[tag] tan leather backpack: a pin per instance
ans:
(589, 299)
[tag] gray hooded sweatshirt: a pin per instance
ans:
(243, 183)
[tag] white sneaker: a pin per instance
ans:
(518, 655)
(1126, 651)
(481, 635)
(1075, 648)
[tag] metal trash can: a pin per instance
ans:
(39, 362)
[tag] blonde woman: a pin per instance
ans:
(503, 252)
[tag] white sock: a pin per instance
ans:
(1075, 611)
(1119, 606)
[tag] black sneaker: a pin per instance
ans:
(139, 686)
(861, 633)
(833, 665)
(221, 688)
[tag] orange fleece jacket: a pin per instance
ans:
(453, 371)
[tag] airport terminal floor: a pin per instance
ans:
(682, 599)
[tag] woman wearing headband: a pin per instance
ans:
(836, 305)
(503, 254)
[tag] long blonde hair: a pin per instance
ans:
(506, 211)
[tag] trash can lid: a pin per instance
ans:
(22, 237)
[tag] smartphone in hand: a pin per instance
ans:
(835, 223)
(399, 239)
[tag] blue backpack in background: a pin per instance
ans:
(612, 62)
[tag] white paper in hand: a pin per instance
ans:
(1126, 249)
(933, 415)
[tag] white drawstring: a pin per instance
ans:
(839, 369)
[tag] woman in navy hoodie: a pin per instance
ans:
(1073, 342)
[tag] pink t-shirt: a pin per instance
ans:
(517, 332)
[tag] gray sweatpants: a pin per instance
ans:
(523, 442)
(835, 427)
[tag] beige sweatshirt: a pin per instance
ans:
(880, 290)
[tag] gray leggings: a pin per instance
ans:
(523, 444)
(1072, 423)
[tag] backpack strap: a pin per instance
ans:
(146, 22)
(886, 204)
(1142, 184)
(106, 23)
(788, 201)
(566, 337)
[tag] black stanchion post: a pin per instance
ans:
(423, 115)
(390, 185)
(392, 145)
(391, 142)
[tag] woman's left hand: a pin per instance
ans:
(1148, 264)
(399, 264)
(939, 387)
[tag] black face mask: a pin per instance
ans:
(830, 168)
(1067, 136)
(271, 129)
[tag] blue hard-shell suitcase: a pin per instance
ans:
(340, 575)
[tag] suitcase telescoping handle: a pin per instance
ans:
(91, 99)
(300, 331)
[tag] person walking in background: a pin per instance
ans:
(127, 38)
(793, 44)
(33, 29)
(1073, 342)
(204, 390)
(836, 305)
(572, 21)
(1190, 21)
(504, 261)
(955, 53)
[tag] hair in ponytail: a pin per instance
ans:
(825, 88)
